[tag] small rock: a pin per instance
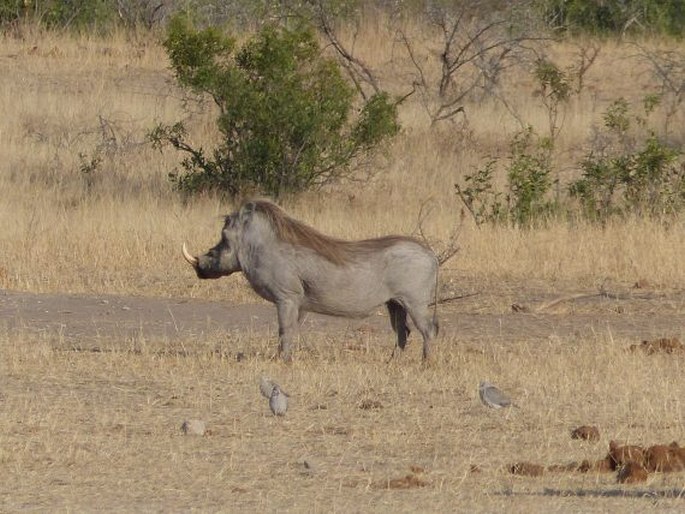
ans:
(310, 467)
(194, 427)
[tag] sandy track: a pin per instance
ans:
(75, 318)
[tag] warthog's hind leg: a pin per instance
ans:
(426, 325)
(398, 321)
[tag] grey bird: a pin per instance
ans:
(278, 401)
(266, 386)
(493, 397)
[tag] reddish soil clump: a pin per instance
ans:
(663, 345)
(633, 463)
(407, 482)
(665, 459)
(604, 465)
(527, 469)
(632, 473)
(370, 404)
(621, 455)
(586, 432)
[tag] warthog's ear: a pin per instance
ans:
(246, 212)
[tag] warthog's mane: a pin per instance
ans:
(337, 251)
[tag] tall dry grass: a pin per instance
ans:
(87, 206)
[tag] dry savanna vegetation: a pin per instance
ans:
(92, 421)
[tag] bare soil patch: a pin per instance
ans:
(76, 318)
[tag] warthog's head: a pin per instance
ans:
(222, 259)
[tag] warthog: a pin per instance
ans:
(300, 270)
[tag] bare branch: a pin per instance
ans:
(602, 293)
(412, 56)
(359, 72)
(474, 53)
(587, 54)
(446, 299)
(452, 246)
(668, 67)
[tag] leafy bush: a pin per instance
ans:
(529, 181)
(480, 197)
(61, 14)
(630, 173)
(530, 178)
(529, 172)
(615, 18)
(284, 112)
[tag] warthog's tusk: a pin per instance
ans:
(191, 260)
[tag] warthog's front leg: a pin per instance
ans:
(288, 315)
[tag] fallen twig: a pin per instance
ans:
(517, 307)
(446, 299)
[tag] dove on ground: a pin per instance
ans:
(493, 397)
(266, 386)
(278, 401)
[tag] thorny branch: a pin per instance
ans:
(472, 57)
(668, 67)
(452, 246)
(358, 71)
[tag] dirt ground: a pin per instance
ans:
(526, 314)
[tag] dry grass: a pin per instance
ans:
(118, 228)
(103, 429)
(100, 431)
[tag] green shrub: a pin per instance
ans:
(284, 112)
(480, 197)
(529, 182)
(529, 178)
(62, 14)
(632, 171)
(616, 17)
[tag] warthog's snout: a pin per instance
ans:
(202, 266)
